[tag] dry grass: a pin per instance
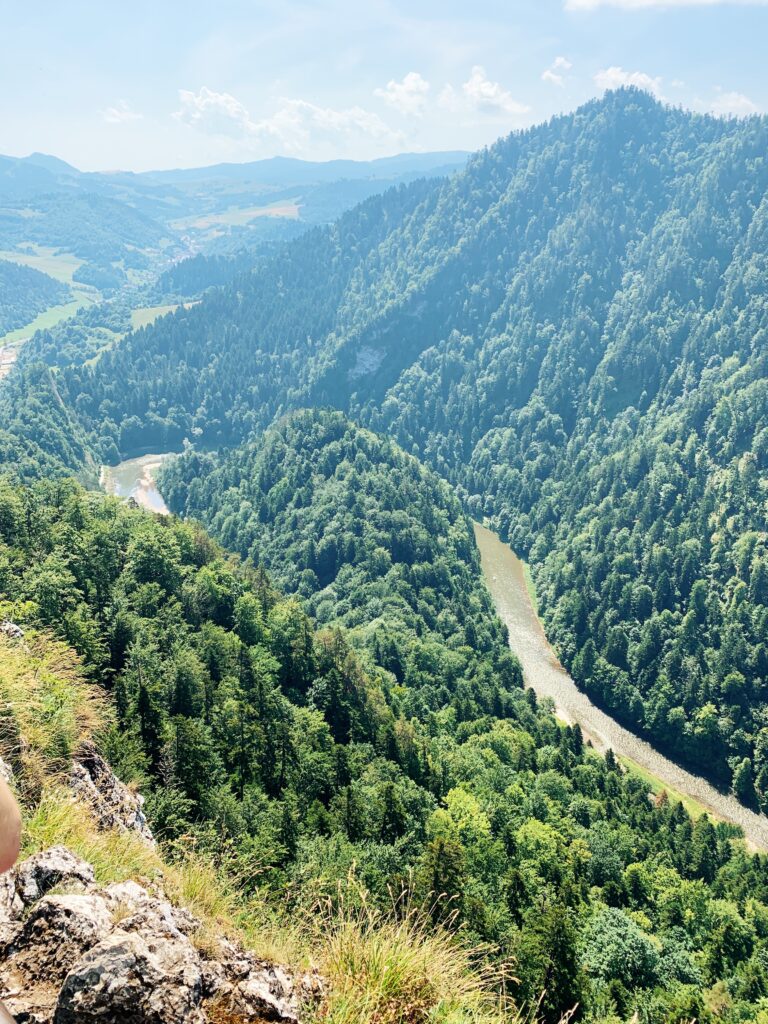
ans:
(192, 882)
(47, 709)
(397, 968)
(60, 819)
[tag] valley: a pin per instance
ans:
(504, 575)
(505, 578)
(329, 682)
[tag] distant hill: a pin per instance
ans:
(115, 217)
(25, 292)
(291, 171)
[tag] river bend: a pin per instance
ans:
(505, 578)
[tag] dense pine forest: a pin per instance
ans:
(308, 752)
(572, 332)
(567, 340)
(345, 519)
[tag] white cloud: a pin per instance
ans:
(217, 113)
(408, 96)
(733, 104)
(120, 113)
(553, 73)
(616, 77)
(484, 94)
(450, 100)
(295, 126)
(637, 5)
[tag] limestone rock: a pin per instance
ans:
(10, 629)
(251, 989)
(113, 804)
(139, 911)
(133, 980)
(38, 874)
(119, 954)
(44, 946)
(55, 933)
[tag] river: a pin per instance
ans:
(135, 478)
(505, 578)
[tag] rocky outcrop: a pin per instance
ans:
(113, 804)
(11, 630)
(37, 875)
(73, 952)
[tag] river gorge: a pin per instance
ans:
(504, 575)
(505, 578)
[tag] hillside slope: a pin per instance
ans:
(302, 769)
(25, 292)
(369, 537)
(573, 331)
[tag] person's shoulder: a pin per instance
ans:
(10, 828)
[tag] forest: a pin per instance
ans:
(571, 332)
(566, 340)
(298, 751)
(25, 292)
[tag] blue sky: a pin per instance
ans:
(142, 84)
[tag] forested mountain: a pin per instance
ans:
(119, 220)
(299, 762)
(91, 225)
(363, 532)
(286, 171)
(573, 332)
(25, 292)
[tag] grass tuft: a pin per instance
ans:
(397, 968)
(47, 709)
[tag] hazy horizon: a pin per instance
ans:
(185, 87)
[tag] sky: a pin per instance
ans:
(148, 84)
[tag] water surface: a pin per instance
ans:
(135, 478)
(505, 578)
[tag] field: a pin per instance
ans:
(237, 217)
(145, 315)
(58, 265)
(47, 319)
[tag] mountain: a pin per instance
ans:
(284, 171)
(107, 217)
(568, 338)
(24, 176)
(572, 331)
(336, 514)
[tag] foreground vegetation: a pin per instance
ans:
(379, 967)
(297, 768)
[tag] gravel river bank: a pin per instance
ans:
(505, 578)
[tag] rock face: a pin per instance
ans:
(73, 952)
(113, 804)
(10, 629)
